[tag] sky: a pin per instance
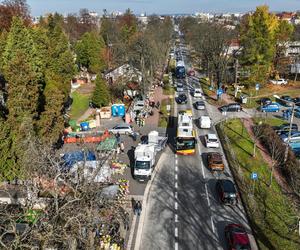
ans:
(40, 7)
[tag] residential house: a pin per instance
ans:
(125, 71)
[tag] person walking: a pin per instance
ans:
(118, 137)
(122, 147)
(138, 208)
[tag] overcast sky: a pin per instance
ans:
(39, 7)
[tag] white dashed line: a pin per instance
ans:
(176, 218)
(176, 161)
(176, 185)
(176, 195)
(176, 245)
(176, 232)
(206, 190)
(176, 205)
(176, 177)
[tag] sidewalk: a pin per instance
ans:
(158, 97)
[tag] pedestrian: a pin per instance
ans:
(122, 147)
(118, 137)
(138, 208)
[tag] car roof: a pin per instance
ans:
(215, 156)
(212, 136)
(228, 185)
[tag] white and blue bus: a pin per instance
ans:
(180, 69)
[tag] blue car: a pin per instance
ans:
(272, 107)
(295, 136)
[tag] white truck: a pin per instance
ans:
(205, 121)
(145, 156)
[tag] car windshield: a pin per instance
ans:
(142, 165)
(242, 247)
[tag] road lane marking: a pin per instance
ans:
(176, 245)
(176, 185)
(176, 154)
(176, 161)
(206, 190)
(176, 177)
(176, 218)
(176, 232)
(176, 205)
(176, 195)
(176, 168)
(212, 224)
(198, 140)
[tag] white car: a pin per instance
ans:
(279, 81)
(122, 129)
(197, 93)
(212, 141)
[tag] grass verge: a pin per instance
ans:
(270, 121)
(80, 105)
(271, 214)
(163, 113)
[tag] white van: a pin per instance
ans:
(205, 122)
(197, 93)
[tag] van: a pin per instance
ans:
(273, 107)
(205, 122)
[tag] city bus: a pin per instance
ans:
(186, 138)
(180, 69)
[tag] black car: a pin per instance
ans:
(232, 107)
(199, 105)
(285, 100)
(296, 100)
(264, 101)
(226, 191)
(181, 99)
(285, 128)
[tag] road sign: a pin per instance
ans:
(254, 176)
(219, 91)
(257, 86)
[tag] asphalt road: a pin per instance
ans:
(197, 219)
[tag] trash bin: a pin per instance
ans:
(244, 99)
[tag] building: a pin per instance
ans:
(293, 49)
(126, 71)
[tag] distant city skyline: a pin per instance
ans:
(40, 7)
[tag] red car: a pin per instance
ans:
(236, 237)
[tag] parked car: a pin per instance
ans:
(295, 136)
(265, 101)
(232, 107)
(279, 81)
(237, 237)
(205, 121)
(181, 99)
(227, 192)
(212, 141)
(297, 112)
(296, 100)
(285, 100)
(215, 161)
(285, 127)
(199, 105)
(122, 129)
(273, 107)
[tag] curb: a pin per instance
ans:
(144, 205)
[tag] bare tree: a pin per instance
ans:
(73, 212)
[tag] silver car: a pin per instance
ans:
(122, 129)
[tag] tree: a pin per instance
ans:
(13, 8)
(101, 95)
(89, 52)
(258, 40)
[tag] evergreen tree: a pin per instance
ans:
(101, 96)
(89, 52)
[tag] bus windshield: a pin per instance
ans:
(185, 143)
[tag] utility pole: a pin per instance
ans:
(289, 134)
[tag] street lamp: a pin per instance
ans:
(290, 127)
